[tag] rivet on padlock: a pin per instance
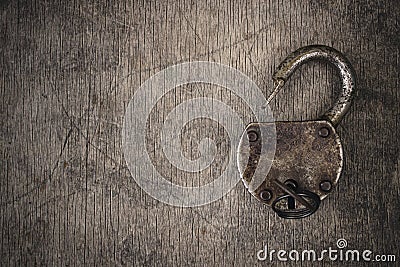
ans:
(308, 157)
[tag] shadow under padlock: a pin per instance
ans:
(308, 156)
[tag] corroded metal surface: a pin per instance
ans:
(321, 52)
(309, 157)
(309, 153)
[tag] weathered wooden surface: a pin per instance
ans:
(68, 70)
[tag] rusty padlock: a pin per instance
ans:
(308, 157)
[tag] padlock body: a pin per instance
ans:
(308, 152)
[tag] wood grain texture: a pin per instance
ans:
(68, 71)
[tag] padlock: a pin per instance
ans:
(308, 156)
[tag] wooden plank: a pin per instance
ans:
(68, 71)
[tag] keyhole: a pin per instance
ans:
(291, 201)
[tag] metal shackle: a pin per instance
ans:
(325, 53)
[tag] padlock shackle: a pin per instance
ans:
(325, 53)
